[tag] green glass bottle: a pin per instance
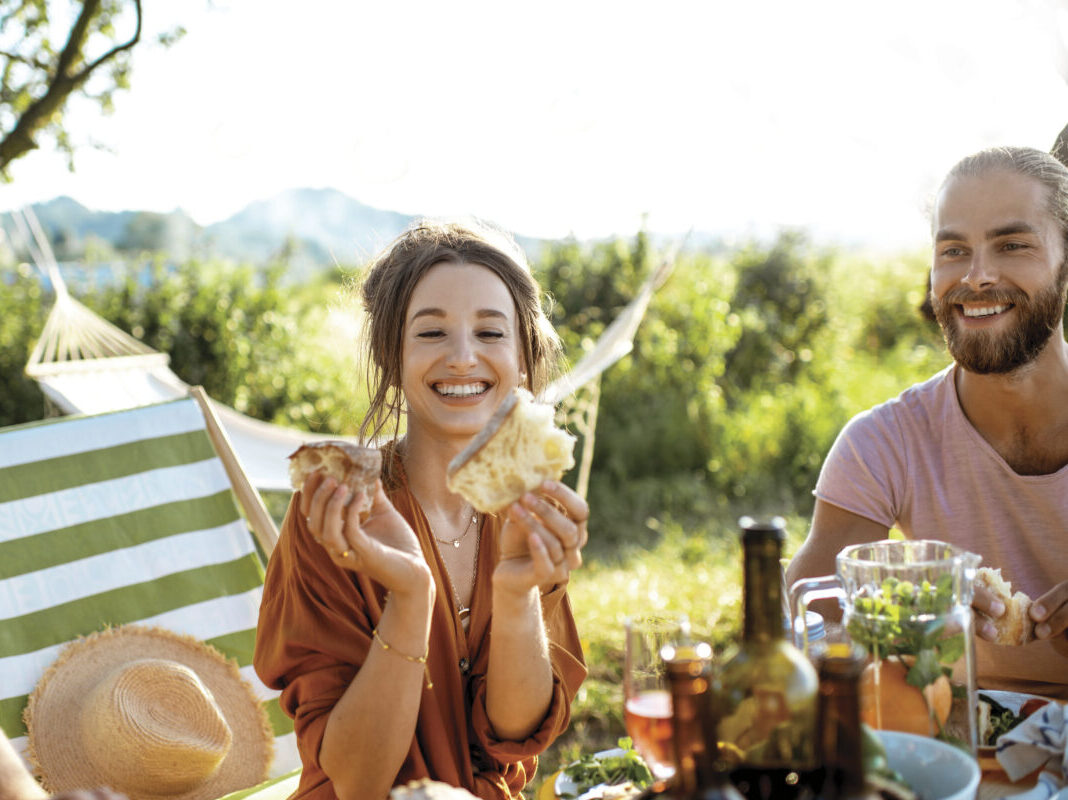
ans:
(768, 731)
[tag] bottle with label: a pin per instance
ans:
(768, 730)
(699, 773)
(841, 776)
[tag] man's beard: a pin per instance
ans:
(986, 352)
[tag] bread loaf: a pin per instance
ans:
(1015, 625)
(356, 467)
(518, 449)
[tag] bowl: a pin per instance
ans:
(934, 769)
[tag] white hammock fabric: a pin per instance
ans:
(86, 365)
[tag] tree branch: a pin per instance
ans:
(21, 59)
(21, 140)
(82, 76)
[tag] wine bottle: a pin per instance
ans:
(699, 774)
(769, 690)
(840, 738)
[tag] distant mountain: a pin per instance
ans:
(333, 225)
(316, 228)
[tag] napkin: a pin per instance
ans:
(1041, 740)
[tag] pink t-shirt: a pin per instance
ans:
(915, 462)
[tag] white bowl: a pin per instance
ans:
(935, 770)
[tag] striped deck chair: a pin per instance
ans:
(126, 517)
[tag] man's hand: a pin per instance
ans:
(987, 602)
(1050, 614)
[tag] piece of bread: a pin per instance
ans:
(427, 789)
(1015, 625)
(518, 449)
(356, 467)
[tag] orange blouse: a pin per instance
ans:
(315, 630)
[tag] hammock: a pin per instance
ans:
(86, 365)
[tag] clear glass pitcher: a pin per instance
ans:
(908, 604)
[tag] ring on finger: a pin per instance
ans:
(346, 553)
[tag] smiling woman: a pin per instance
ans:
(377, 634)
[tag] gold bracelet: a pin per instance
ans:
(414, 659)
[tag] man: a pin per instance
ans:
(978, 455)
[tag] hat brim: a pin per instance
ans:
(61, 758)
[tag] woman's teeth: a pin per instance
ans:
(460, 390)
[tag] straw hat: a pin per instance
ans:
(150, 713)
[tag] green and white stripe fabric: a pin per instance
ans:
(122, 518)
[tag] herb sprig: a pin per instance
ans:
(590, 770)
(901, 618)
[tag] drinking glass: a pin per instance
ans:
(646, 699)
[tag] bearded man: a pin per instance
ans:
(977, 455)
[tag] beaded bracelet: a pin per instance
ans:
(414, 659)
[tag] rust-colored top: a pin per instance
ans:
(315, 630)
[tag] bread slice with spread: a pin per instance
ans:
(518, 449)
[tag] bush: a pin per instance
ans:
(235, 331)
(22, 315)
(743, 371)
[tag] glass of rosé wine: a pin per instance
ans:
(646, 699)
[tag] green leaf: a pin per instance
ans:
(925, 670)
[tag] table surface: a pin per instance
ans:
(992, 785)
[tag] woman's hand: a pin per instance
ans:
(542, 538)
(1050, 614)
(374, 540)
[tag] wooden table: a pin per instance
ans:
(992, 786)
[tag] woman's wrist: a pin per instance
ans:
(411, 606)
(510, 599)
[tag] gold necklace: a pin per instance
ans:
(462, 611)
(456, 542)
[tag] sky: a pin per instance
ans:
(574, 117)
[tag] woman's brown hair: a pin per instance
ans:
(386, 289)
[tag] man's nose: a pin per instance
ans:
(982, 272)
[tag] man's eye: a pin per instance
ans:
(952, 252)
(1015, 246)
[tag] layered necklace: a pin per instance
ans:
(462, 611)
(456, 542)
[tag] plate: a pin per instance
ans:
(564, 784)
(987, 754)
(934, 769)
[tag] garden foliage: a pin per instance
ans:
(748, 362)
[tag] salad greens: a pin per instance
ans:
(1002, 720)
(591, 770)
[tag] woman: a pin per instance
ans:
(378, 632)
